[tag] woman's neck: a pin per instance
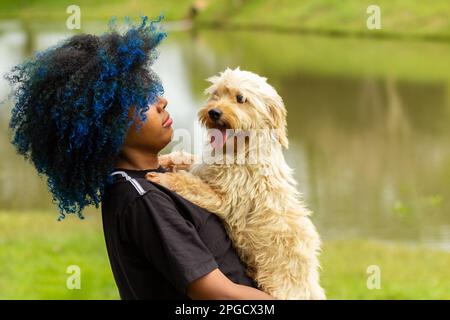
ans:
(133, 159)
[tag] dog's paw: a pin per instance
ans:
(178, 160)
(164, 179)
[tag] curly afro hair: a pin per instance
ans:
(72, 104)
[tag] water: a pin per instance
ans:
(368, 122)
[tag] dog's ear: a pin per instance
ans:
(278, 114)
(213, 80)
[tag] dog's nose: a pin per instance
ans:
(214, 114)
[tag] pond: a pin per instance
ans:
(368, 122)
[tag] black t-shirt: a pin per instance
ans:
(158, 242)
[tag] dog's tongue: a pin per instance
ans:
(215, 141)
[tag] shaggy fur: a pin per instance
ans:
(259, 204)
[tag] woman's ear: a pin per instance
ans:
(278, 114)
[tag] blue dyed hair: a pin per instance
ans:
(72, 104)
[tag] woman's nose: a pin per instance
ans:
(160, 104)
(163, 102)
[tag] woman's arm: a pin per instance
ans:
(216, 286)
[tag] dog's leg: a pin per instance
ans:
(306, 257)
(308, 251)
(190, 187)
(295, 274)
(175, 161)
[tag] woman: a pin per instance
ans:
(90, 116)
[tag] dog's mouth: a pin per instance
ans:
(218, 133)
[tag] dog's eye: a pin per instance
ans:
(240, 98)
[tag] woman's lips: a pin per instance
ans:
(167, 123)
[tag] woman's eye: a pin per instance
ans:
(240, 98)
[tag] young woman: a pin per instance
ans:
(89, 115)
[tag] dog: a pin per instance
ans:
(258, 202)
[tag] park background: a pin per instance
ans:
(368, 122)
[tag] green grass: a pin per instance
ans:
(45, 10)
(406, 272)
(398, 17)
(414, 18)
(36, 250)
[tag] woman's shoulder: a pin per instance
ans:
(146, 196)
(131, 181)
(126, 191)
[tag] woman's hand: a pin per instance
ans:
(167, 179)
(178, 160)
(216, 286)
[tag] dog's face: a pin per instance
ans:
(243, 101)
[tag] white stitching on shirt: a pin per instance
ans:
(135, 184)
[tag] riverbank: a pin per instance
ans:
(55, 10)
(36, 251)
(399, 19)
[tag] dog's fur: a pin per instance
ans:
(259, 204)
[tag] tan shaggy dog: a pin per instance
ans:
(258, 202)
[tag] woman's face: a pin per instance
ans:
(155, 133)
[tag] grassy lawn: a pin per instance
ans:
(398, 17)
(406, 273)
(36, 250)
(44, 10)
